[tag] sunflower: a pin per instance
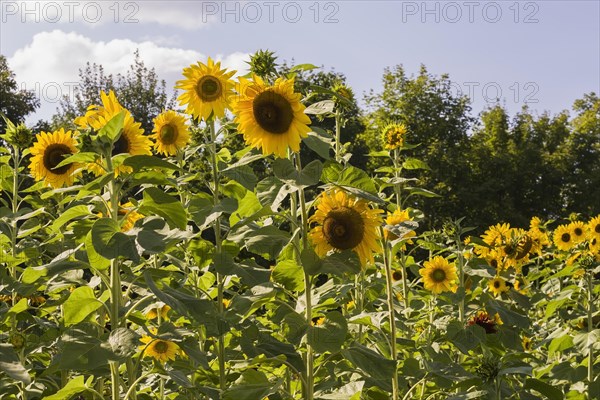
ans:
(396, 275)
(526, 343)
(395, 218)
(393, 135)
(594, 227)
(318, 321)
(130, 214)
(439, 275)
(497, 286)
(271, 117)
(171, 133)
(132, 139)
(159, 349)
(577, 229)
(563, 238)
(487, 322)
(343, 223)
(47, 152)
(496, 234)
(155, 311)
(207, 89)
(520, 284)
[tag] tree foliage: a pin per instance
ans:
(15, 103)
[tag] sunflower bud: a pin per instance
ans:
(17, 339)
(263, 63)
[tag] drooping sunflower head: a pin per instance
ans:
(344, 222)
(439, 275)
(578, 231)
(594, 227)
(343, 91)
(563, 238)
(393, 135)
(207, 89)
(395, 218)
(48, 151)
(159, 349)
(271, 118)
(171, 133)
(497, 286)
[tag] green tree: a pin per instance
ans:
(15, 103)
(140, 91)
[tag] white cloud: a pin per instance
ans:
(51, 62)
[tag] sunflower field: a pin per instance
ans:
(162, 265)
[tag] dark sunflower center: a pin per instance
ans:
(497, 284)
(273, 112)
(168, 134)
(494, 263)
(578, 232)
(343, 228)
(438, 275)
(209, 88)
(53, 155)
(161, 346)
(121, 145)
(597, 228)
(565, 237)
(396, 275)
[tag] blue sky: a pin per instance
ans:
(544, 53)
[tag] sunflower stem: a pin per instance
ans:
(218, 245)
(404, 281)
(397, 174)
(461, 277)
(309, 386)
(14, 230)
(387, 255)
(338, 134)
(590, 313)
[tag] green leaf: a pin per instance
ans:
(371, 363)
(311, 262)
(82, 158)
(413, 163)
(112, 130)
(319, 142)
(560, 344)
(243, 174)
(10, 364)
(96, 260)
(267, 241)
(414, 191)
(303, 67)
(285, 170)
(74, 386)
(160, 203)
(583, 341)
(289, 274)
(80, 304)
(331, 335)
(32, 274)
(110, 242)
(143, 161)
(123, 342)
(348, 176)
(70, 214)
(551, 392)
(340, 263)
(320, 108)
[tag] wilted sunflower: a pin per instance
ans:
(487, 322)
(171, 133)
(132, 139)
(159, 349)
(393, 135)
(497, 286)
(594, 227)
(345, 223)
(49, 150)
(577, 229)
(207, 89)
(271, 118)
(563, 238)
(439, 275)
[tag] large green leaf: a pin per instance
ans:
(319, 142)
(32, 274)
(71, 213)
(372, 364)
(310, 174)
(10, 364)
(243, 174)
(160, 203)
(74, 386)
(551, 392)
(143, 161)
(81, 303)
(330, 335)
(112, 130)
(289, 274)
(110, 242)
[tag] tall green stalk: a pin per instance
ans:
(218, 247)
(387, 260)
(590, 323)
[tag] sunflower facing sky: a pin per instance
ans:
(577, 229)
(206, 89)
(271, 118)
(563, 238)
(132, 139)
(393, 136)
(344, 222)
(497, 286)
(439, 275)
(49, 150)
(171, 133)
